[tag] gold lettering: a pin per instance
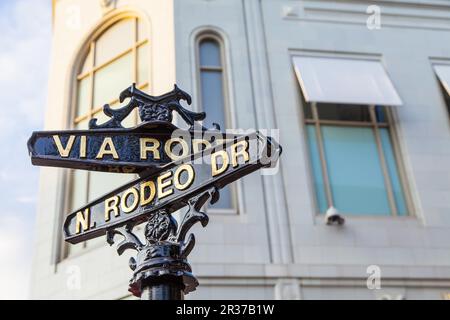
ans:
(111, 204)
(224, 165)
(82, 220)
(134, 204)
(184, 148)
(164, 184)
(107, 148)
(151, 186)
(243, 152)
(64, 152)
(190, 176)
(83, 147)
(153, 148)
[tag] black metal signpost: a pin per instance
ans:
(178, 170)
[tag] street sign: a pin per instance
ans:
(119, 150)
(178, 168)
(110, 147)
(171, 187)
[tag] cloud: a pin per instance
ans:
(15, 257)
(24, 63)
(26, 199)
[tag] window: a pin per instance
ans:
(212, 82)
(114, 60)
(213, 99)
(353, 158)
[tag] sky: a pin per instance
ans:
(25, 40)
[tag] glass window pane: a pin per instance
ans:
(380, 113)
(142, 30)
(128, 122)
(131, 120)
(316, 169)
(212, 98)
(82, 125)
(307, 111)
(112, 79)
(355, 172)
(226, 199)
(143, 63)
(109, 81)
(393, 172)
(101, 117)
(83, 103)
(115, 40)
(101, 183)
(341, 112)
(87, 65)
(210, 53)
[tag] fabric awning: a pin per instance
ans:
(346, 81)
(443, 73)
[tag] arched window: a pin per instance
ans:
(117, 57)
(214, 97)
(212, 81)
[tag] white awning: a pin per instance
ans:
(443, 73)
(346, 81)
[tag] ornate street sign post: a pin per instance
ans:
(179, 170)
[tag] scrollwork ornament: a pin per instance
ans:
(167, 245)
(151, 109)
(155, 112)
(159, 227)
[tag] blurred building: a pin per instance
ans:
(360, 94)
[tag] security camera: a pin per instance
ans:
(332, 217)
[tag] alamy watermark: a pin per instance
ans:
(73, 280)
(374, 20)
(374, 279)
(73, 17)
(182, 144)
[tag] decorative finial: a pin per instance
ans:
(151, 108)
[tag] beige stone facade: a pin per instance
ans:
(275, 245)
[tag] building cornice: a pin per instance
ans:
(414, 14)
(410, 3)
(417, 3)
